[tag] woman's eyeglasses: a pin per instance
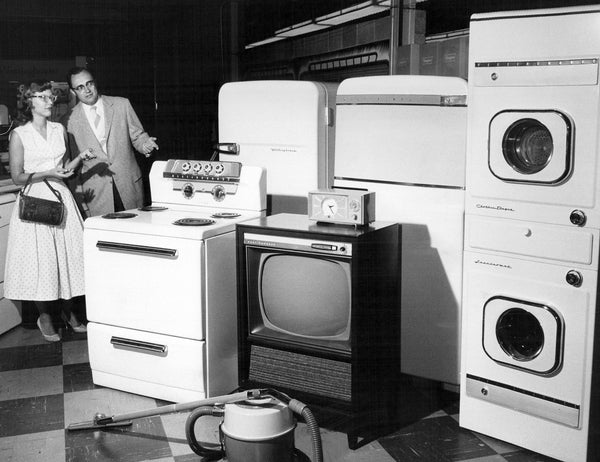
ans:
(46, 98)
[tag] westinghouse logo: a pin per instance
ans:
(494, 207)
(489, 263)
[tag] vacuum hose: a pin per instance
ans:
(208, 453)
(315, 434)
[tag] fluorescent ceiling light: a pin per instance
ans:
(354, 12)
(302, 28)
(264, 42)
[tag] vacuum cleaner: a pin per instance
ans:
(258, 426)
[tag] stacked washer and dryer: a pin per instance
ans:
(530, 354)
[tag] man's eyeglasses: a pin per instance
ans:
(46, 98)
(89, 84)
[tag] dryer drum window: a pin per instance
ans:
(520, 334)
(524, 335)
(528, 146)
(531, 146)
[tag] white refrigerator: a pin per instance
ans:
(286, 127)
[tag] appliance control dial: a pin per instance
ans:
(197, 167)
(219, 193)
(578, 217)
(574, 278)
(186, 166)
(188, 190)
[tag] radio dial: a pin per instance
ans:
(219, 193)
(188, 190)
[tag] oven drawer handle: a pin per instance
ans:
(146, 347)
(139, 249)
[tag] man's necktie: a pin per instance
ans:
(96, 116)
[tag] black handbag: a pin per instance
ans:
(38, 210)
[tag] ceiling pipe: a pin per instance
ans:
(396, 14)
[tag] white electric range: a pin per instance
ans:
(161, 282)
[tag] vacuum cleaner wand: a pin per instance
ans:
(101, 421)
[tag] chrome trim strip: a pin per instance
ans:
(399, 183)
(408, 100)
(521, 400)
(538, 63)
(144, 347)
(137, 249)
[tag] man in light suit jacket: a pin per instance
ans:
(108, 126)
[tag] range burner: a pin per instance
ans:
(225, 215)
(119, 215)
(193, 222)
(152, 208)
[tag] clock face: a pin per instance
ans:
(329, 207)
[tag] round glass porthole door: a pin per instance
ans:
(533, 147)
(523, 335)
(520, 334)
(527, 146)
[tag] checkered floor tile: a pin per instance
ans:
(44, 387)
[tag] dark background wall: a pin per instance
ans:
(170, 57)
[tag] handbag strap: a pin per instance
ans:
(28, 182)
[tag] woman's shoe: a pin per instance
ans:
(80, 328)
(49, 338)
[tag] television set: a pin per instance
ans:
(318, 310)
(299, 291)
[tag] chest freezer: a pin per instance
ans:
(404, 138)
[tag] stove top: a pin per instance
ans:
(193, 200)
(196, 223)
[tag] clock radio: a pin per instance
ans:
(342, 206)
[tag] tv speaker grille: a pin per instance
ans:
(324, 377)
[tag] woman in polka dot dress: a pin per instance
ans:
(44, 263)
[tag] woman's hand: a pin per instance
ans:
(60, 172)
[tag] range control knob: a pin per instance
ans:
(574, 278)
(188, 190)
(219, 193)
(577, 217)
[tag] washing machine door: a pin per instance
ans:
(533, 147)
(523, 335)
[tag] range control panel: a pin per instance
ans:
(193, 176)
(204, 170)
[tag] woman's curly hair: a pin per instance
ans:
(35, 86)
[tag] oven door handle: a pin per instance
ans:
(137, 249)
(145, 347)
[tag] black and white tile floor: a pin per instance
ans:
(44, 387)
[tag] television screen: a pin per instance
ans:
(305, 296)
